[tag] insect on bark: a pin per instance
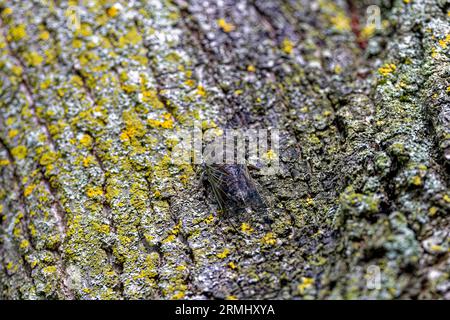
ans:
(233, 188)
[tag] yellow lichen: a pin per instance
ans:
(48, 158)
(24, 244)
(113, 11)
(134, 126)
(12, 133)
(387, 69)
(446, 198)
(190, 83)
(341, 22)
(94, 192)
(33, 58)
(223, 254)
(246, 228)
(132, 37)
(225, 26)
(44, 35)
(49, 269)
(269, 239)
(445, 42)
(337, 69)
(251, 68)
(201, 90)
(88, 161)
(19, 152)
(179, 295)
(287, 46)
(368, 31)
(209, 219)
(166, 122)
(432, 211)
(17, 70)
(7, 12)
(17, 32)
(84, 30)
(270, 155)
(86, 140)
(416, 180)
(181, 268)
(29, 189)
(305, 284)
(151, 97)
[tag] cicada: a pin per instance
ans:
(233, 188)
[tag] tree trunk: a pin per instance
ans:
(94, 205)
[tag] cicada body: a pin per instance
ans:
(233, 188)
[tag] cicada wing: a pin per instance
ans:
(215, 179)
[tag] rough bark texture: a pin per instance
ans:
(93, 205)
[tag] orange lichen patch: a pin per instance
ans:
(225, 26)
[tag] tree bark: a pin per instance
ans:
(94, 205)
